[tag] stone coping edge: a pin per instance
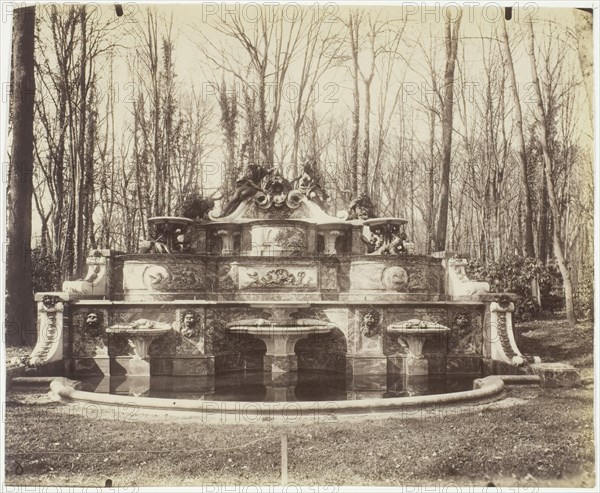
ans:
(521, 379)
(485, 389)
(33, 380)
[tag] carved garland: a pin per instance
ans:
(279, 278)
(49, 333)
(176, 278)
(505, 341)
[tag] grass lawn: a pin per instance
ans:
(545, 438)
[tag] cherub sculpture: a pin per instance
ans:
(361, 208)
(308, 184)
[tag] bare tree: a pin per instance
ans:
(229, 118)
(269, 47)
(520, 140)
(452, 29)
(541, 123)
(20, 309)
(354, 21)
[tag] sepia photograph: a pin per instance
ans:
(299, 246)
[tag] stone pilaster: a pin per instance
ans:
(501, 342)
(50, 329)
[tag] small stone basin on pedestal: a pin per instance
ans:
(388, 236)
(141, 334)
(414, 333)
(330, 233)
(280, 334)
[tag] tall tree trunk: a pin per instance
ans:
(354, 29)
(20, 308)
(228, 104)
(543, 223)
(451, 48)
(364, 169)
(508, 61)
(81, 203)
(430, 184)
(548, 166)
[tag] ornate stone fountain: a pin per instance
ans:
(276, 283)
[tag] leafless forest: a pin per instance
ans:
(475, 128)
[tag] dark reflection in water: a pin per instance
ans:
(267, 387)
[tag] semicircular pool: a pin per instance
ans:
(258, 386)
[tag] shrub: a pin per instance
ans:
(44, 271)
(513, 274)
(583, 299)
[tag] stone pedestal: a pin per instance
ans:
(330, 236)
(102, 365)
(416, 366)
(90, 366)
(193, 366)
(279, 363)
(367, 364)
(228, 239)
(556, 375)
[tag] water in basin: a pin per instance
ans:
(258, 386)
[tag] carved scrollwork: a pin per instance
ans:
(155, 276)
(262, 200)
(294, 199)
(395, 278)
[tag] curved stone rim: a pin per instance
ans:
(485, 389)
(376, 221)
(134, 331)
(170, 220)
(276, 329)
(398, 329)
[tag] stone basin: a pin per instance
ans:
(287, 325)
(280, 337)
(388, 234)
(414, 333)
(380, 221)
(141, 334)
